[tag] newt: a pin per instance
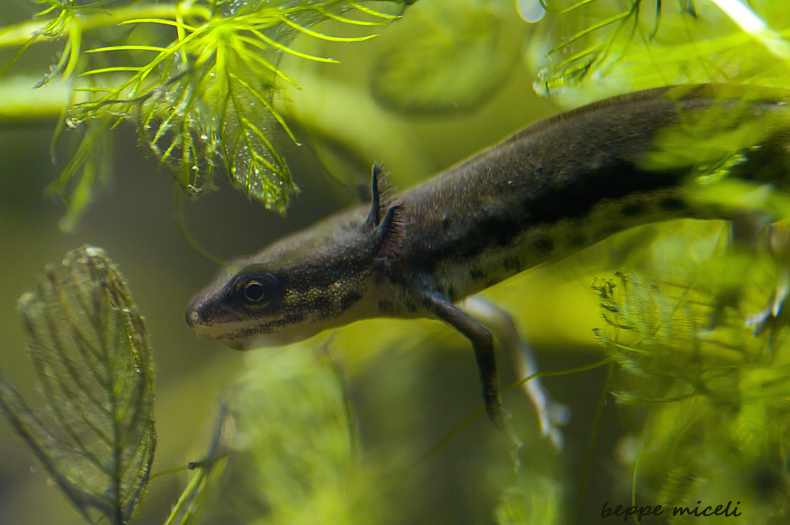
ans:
(548, 191)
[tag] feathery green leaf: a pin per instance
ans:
(200, 87)
(95, 434)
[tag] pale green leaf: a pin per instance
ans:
(198, 79)
(86, 172)
(625, 46)
(207, 98)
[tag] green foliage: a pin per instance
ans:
(90, 349)
(714, 400)
(644, 43)
(201, 488)
(198, 79)
(85, 173)
(533, 499)
(601, 33)
(711, 141)
(294, 457)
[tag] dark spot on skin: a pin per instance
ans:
(566, 184)
(489, 228)
(633, 209)
(544, 246)
(671, 204)
(265, 328)
(385, 306)
(476, 274)
(445, 222)
(293, 319)
(320, 303)
(512, 264)
(576, 240)
(349, 299)
(502, 230)
(607, 231)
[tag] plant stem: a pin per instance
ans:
(20, 34)
(21, 104)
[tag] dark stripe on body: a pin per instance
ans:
(528, 182)
(559, 170)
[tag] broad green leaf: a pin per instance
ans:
(95, 432)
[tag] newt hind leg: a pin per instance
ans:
(476, 319)
(483, 344)
(551, 414)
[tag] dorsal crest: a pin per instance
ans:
(381, 194)
(385, 219)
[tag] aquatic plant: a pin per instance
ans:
(710, 399)
(89, 345)
(643, 43)
(197, 78)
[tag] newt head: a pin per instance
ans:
(320, 278)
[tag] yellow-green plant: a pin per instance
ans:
(633, 44)
(197, 78)
(712, 397)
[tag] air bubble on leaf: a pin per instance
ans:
(531, 10)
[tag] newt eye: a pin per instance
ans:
(257, 290)
(253, 291)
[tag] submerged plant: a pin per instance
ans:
(713, 398)
(635, 44)
(448, 56)
(95, 434)
(197, 78)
